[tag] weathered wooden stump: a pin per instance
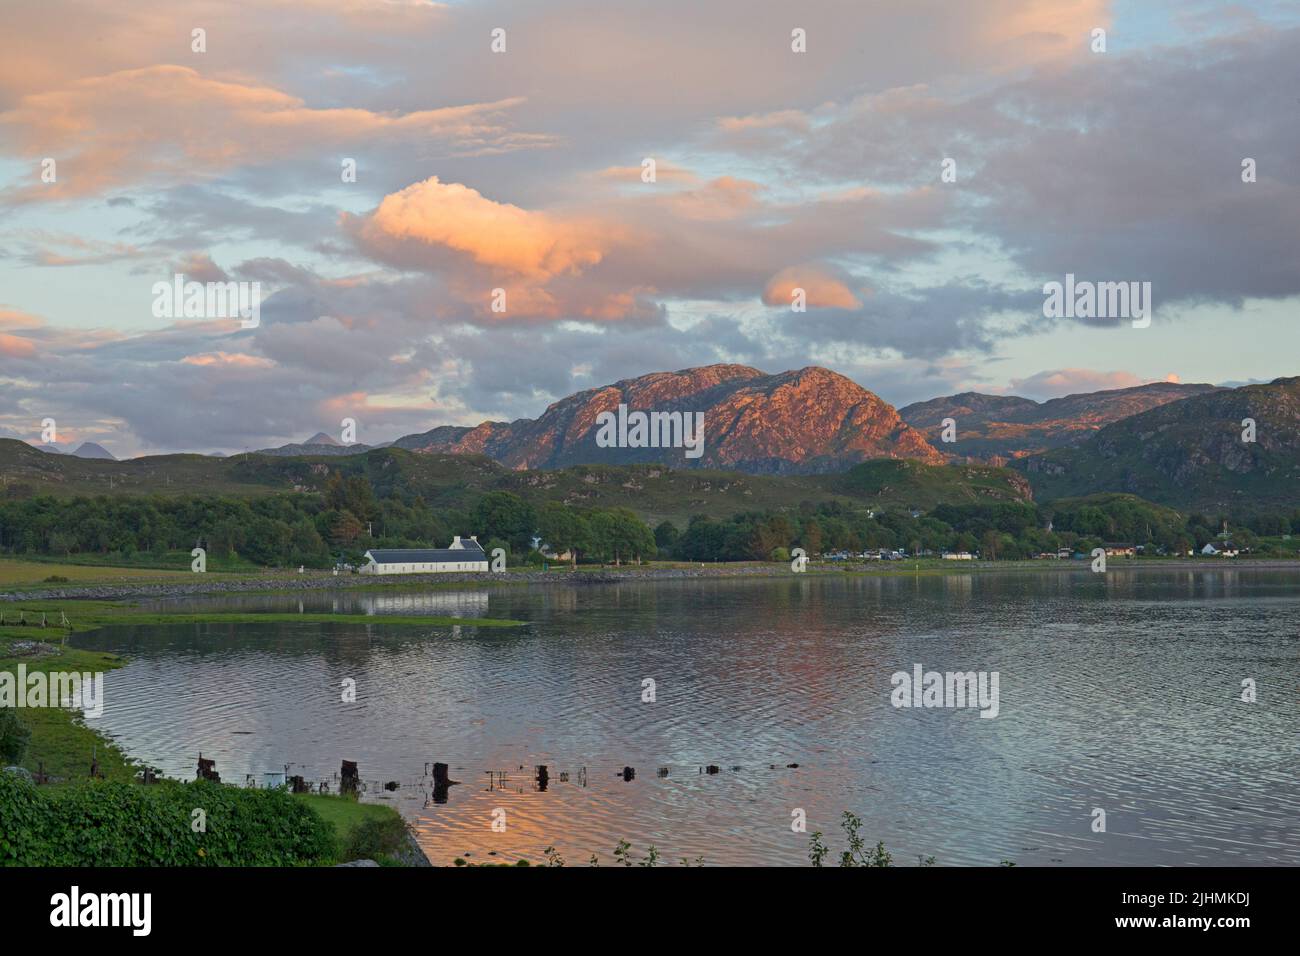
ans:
(349, 778)
(208, 770)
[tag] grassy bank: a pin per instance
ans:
(61, 742)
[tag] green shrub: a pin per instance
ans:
(122, 824)
(373, 839)
(14, 735)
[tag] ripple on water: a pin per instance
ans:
(1121, 694)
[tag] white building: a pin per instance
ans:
(463, 555)
(1224, 549)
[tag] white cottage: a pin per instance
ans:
(1224, 549)
(465, 554)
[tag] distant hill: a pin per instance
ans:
(1189, 453)
(318, 444)
(810, 421)
(454, 481)
(1002, 427)
(91, 450)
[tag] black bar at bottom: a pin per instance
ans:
(357, 903)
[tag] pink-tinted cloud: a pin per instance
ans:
(821, 286)
(166, 123)
(499, 236)
(1066, 381)
(13, 346)
(229, 359)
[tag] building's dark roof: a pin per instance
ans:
(471, 552)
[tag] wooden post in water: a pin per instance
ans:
(349, 778)
(208, 770)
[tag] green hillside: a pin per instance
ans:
(1190, 454)
(455, 481)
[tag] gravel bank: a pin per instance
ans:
(322, 582)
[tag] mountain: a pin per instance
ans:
(318, 444)
(88, 449)
(810, 421)
(1189, 453)
(51, 448)
(999, 427)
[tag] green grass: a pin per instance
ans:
(344, 813)
(34, 570)
(62, 740)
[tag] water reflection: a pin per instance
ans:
(1119, 691)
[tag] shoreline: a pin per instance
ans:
(282, 584)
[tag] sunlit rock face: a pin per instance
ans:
(801, 422)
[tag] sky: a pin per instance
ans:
(504, 146)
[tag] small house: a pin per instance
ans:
(1221, 549)
(464, 554)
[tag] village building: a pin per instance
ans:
(464, 554)
(1222, 549)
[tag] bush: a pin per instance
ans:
(14, 735)
(372, 839)
(124, 824)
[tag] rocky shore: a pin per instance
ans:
(321, 581)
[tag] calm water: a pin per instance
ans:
(1120, 692)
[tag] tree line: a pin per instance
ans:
(314, 530)
(997, 531)
(347, 518)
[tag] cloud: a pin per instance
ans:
(821, 287)
(522, 171)
(499, 236)
(238, 359)
(167, 124)
(1054, 383)
(13, 346)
